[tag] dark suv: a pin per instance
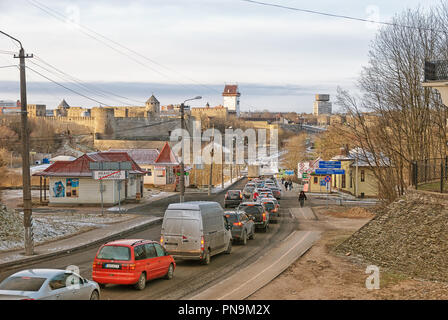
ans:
(258, 211)
(233, 198)
(243, 227)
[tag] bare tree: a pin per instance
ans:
(409, 121)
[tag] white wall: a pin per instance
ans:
(89, 191)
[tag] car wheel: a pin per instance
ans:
(252, 236)
(206, 259)
(170, 272)
(244, 238)
(229, 247)
(95, 295)
(141, 283)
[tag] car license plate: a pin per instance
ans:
(112, 266)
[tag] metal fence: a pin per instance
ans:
(430, 172)
(436, 70)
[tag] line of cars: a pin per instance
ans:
(194, 230)
(257, 205)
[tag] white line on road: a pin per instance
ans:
(273, 264)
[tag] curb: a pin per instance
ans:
(43, 257)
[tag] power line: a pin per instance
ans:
(79, 81)
(82, 29)
(339, 16)
(61, 85)
(76, 83)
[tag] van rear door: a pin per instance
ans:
(182, 233)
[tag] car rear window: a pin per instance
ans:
(250, 209)
(232, 218)
(233, 194)
(114, 253)
(22, 283)
(269, 205)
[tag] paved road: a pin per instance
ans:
(190, 276)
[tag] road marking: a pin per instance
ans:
(283, 255)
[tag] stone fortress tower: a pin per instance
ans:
(153, 108)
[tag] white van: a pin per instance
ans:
(196, 230)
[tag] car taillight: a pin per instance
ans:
(264, 216)
(202, 243)
(130, 266)
(238, 224)
(97, 265)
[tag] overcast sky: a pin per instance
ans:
(279, 58)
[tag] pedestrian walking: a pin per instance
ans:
(290, 185)
(302, 198)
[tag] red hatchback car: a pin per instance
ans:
(132, 261)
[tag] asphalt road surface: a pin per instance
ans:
(190, 277)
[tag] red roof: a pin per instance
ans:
(166, 156)
(231, 90)
(80, 166)
(141, 156)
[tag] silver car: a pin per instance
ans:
(48, 284)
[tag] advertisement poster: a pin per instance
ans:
(59, 190)
(72, 187)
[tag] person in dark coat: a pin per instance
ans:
(302, 198)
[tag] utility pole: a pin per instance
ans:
(212, 153)
(182, 166)
(222, 165)
(26, 178)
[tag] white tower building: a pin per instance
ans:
(322, 105)
(232, 99)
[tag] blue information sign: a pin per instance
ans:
(329, 171)
(289, 172)
(329, 164)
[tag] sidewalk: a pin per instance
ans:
(245, 282)
(76, 242)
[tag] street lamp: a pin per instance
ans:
(182, 167)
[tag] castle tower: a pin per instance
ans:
(152, 107)
(104, 120)
(232, 99)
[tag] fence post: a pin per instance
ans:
(441, 177)
(426, 168)
(414, 174)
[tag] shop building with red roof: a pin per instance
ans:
(73, 182)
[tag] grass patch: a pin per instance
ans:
(433, 186)
(390, 278)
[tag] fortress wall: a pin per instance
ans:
(84, 121)
(105, 145)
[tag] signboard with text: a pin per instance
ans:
(329, 164)
(109, 175)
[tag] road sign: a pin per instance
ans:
(109, 175)
(304, 175)
(329, 171)
(289, 172)
(323, 183)
(329, 164)
(185, 173)
(328, 178)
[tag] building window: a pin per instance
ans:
(149, 173)
(363, 177)
(343, 181)
(351, 180)
(315, 180)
